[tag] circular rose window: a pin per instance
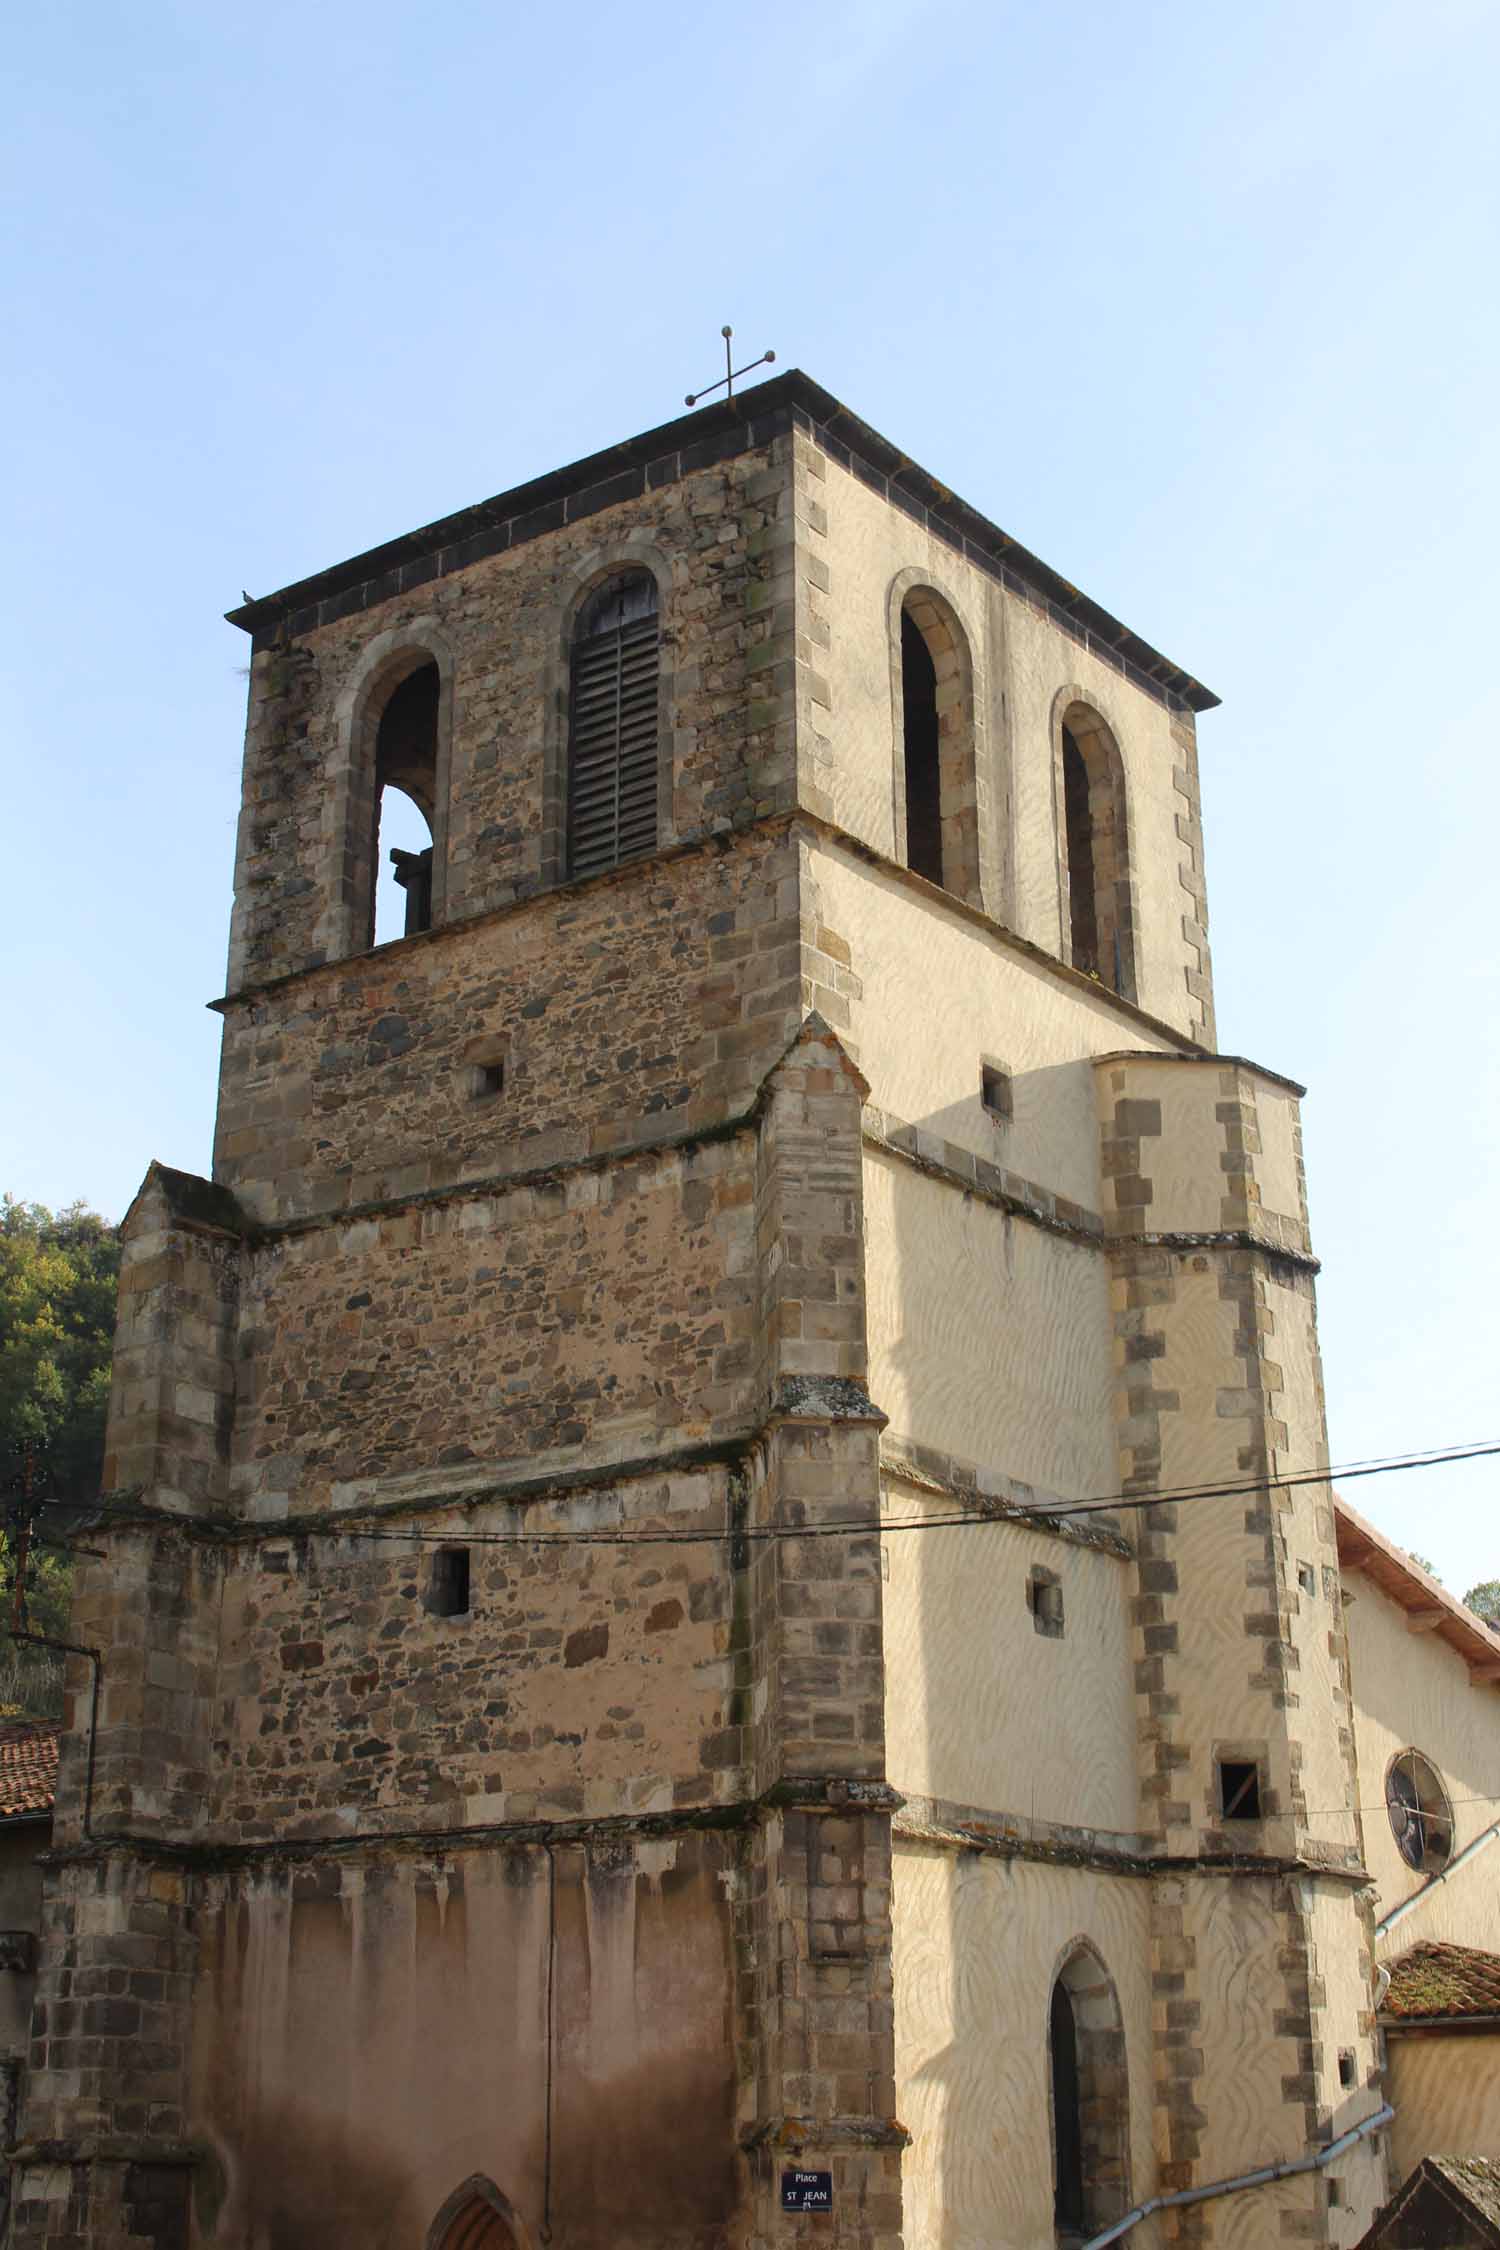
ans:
(1421, 1821)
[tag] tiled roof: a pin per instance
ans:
(1444, 2194)
(1475, 2177)
(1443, 1980)
(28, 1769)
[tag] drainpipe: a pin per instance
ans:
(1486, 1836)
(1314, 2161)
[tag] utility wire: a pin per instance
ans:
(1334, 1812)
(958, 1519)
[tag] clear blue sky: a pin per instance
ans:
(1199, 303)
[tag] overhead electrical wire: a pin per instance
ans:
(966, 1517)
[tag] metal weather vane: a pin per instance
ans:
(731, 374)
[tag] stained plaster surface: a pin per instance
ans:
(1020, 662)
(1446, 2094)
(1412, 1691)
(978, 1942)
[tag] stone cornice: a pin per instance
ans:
(722, 432)
(834, 1794)
(990, 1493)
(944, 1825)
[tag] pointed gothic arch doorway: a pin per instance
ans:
(477, 2217)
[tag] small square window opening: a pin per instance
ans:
(487, 1079)
(1044, 1599)
(1346, 2066)
(1239, 1789)
(995, 1091)
(448, 1583)
(1307, 1578)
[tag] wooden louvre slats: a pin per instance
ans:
(613, 743)
(478, 2226)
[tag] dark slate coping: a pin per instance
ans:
(695, 441)
(196, 1201)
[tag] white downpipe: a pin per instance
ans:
(1313, 2162)
(1486, 1836)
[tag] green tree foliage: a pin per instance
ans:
(1423, 1564)
(1484, 1600)
(58, 1272)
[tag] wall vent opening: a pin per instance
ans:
(995, 1091)
(448, 1583)
(1044, 1599)
(1239, 1789)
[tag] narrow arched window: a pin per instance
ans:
(1090, 2104)
(406, 748)
(613, 725)
(1067, 2115)
(1100, 916)
(921, 753)
(938, 817)
(1082, 903)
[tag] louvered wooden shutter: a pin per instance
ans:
(612, 748)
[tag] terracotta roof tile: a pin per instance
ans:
(1443, 1980)
(28, 1769)
(1442, 2188)
(1477, 2179)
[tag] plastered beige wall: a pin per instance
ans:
(1021, 663)
(983, 1710)
(937, 995)
(1248, 2090)
(867, 544)
(1185, 1160)
(1345, 2025)
(1316, 1625)
(977, 1944)
(1446, 2094)
(1225, 1697)
(1043, 661)
(1278, 1164)
(1411, 1691)
(987, 1335)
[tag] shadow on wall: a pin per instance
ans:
(312, 2181)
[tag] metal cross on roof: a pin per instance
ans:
(731, 374)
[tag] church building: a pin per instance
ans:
(717, 1621)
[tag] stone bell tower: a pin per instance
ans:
(524, 1789)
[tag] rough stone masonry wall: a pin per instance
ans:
(171, 1407)
(499, 627)
(647, 1004)
(604, 1311)
(591, 1677)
